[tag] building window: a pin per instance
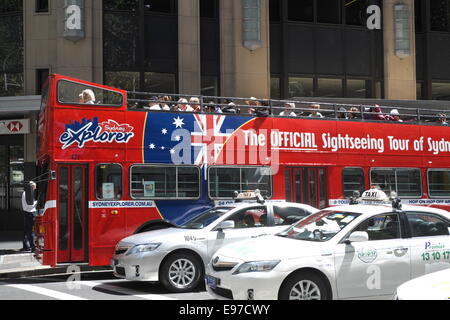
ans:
(356, 88)
(41, 77)
(440, 91)
(210, 86)
(328, 11)
(224, 181)
(275, 89)
(329, 88)
(439, 15)
(140, 45)
(41, 5)
(11, 48)
(301, 87)
(301, 10)
(209, 9)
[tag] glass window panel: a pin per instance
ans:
(275, 90)
(126, 5)
(439, 183)
(210, 86)
(164, 6)
(109, 182)
(419, 91)
(301, 87)
(355, 12)
(223, 182)
(353, 180)
(188, 183)
(11, 5)
(77, 93)
(328, 11)
(356, 88)
(381, 227)
(329, 88)
(63, 208)
(427, 225)
(11, 84)
(120, 42)
(209, 8)
(440, 91)
(165, 182)
(78, 208)
(439, 15)
(41, 5)
(159, 82)
(406, 182)
(418, 14)
(274, 10)
(125, 80)
(301, 10)
(250, 218)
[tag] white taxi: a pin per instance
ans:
(176, 255)
(434, 286)
(360, 251)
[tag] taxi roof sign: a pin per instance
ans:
(248, 195)
(374, 195)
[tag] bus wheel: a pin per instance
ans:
(304, 286)
(181, 272)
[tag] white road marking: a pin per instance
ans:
(46, 292)
(111, 287)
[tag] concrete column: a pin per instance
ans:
(399, 72)
(189, 46)
(45, 46)
(244, 73)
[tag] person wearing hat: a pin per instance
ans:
(253, 104)
(29, 212)
(395, 116)
(87, 96)
(342, 113)
(442, 119)
(183, 106)
(287, 112)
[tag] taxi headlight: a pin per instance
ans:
(143, 248)
(257, 266)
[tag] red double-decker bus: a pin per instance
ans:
(108, 164)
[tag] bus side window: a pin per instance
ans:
(108, 182)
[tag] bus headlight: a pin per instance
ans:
(143, 248)
(257, 266)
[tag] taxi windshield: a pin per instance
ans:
(320, 227)
(206, 218)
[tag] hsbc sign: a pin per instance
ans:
(21, 126)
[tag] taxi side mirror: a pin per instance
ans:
(227, 224)
(358, 236)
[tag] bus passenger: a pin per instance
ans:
(195, 104)
(395, 116)
(315, 113)
(288, 110)
(442, 119)
(252, 102)
(164, 103)
(342, 113)
(153, 104)
(183, 106)
(87, 96)
(353, 113)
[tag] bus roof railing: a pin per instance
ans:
(271, 107)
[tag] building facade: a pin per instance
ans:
(355, 49)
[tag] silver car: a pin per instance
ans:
(176, 255)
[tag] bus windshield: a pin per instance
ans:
(206, 218)
(320, 227)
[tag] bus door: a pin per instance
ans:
(306, 185)
(72, 213)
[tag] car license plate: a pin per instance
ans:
(211, 282)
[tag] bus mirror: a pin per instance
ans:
(29, 195)
(52, 175)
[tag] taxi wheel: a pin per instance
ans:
(304, 286)
(181, 272)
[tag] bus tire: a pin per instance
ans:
(304, 285)
(181, 272)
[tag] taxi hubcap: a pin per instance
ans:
(305, 290)
(182, 273)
